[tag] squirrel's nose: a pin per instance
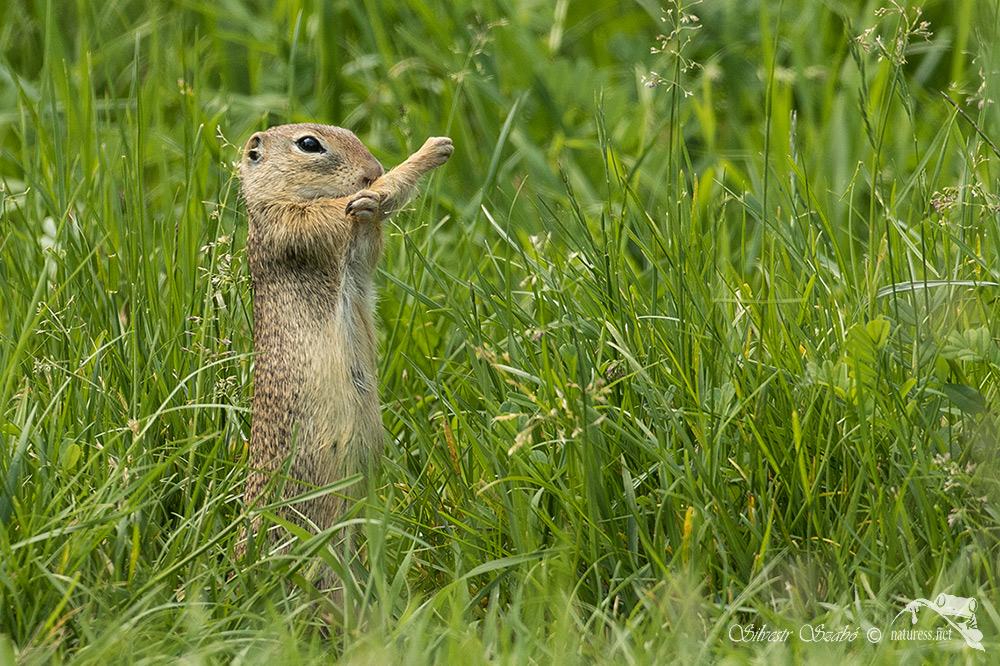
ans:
(374, 171)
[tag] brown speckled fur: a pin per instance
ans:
(314, 241)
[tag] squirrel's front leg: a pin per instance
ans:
(394, 188)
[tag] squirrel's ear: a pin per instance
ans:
(252, 151)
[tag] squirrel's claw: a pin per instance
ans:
(363, 205)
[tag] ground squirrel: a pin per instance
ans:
(315, 198)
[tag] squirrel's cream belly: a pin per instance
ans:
(341, 387)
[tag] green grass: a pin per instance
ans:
(655, 361)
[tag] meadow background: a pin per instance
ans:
(696, 329)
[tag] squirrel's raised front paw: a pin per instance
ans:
(438, 149)
(363, 205)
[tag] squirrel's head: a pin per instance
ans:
(300, 163)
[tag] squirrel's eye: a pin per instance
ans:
(310, 144)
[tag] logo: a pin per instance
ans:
(958, 612)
